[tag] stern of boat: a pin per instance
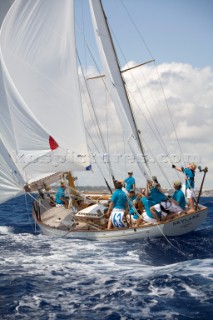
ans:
(185, 223)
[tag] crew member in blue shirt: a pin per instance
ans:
(178, 196)
(118, 207)
(153, 195)
(132, 202)
(189, 172)
(130, 182)
(172, 206)
(60, 198)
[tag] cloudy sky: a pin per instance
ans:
(178, 35)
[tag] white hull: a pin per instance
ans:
(176, 227)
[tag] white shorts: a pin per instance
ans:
(146, 218)
(117, 218)
(190, 193)
(168, 206)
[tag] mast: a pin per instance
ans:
(124, 86)
(116, 81)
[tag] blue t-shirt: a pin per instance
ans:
(119, 199)
(156, 195)
(180, 198)
(59, 193)
(190, 178)
(130, 181)
(147, 204)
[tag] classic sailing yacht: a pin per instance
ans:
(43, 135)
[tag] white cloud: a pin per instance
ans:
(189, 100)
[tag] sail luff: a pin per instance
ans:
(114, 77)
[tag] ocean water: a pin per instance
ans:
(44, 278)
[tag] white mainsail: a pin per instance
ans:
(115, 81)
(41, 115)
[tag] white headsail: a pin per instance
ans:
(41, 115)
(115, 81)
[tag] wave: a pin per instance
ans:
(6, 230)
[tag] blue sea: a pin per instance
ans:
(44, 278)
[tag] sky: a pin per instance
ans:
(173, 30)
(178, 35)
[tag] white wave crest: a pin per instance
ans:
(6, 230)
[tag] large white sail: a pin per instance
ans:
(115, 81)
(41, 116)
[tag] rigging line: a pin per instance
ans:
(124, 87)
(157, 73)
(105, 180)
(167, 105)
(160, 167)
(96, 119)
(90, 52)
(96, 124)
(157, 109)
(139, 141)
(171, 244)
(96, 147)
(155, 105)
(92, 56)
(35, 199)
(158, 136)
(107, 121)
(107, 148)
(130, 203)
(124, 145)
(83, 24)
(99, 153)
(104, 83)
(136, 28)
(85, 46)
(91, 117)
(26, 205)
(92, 104)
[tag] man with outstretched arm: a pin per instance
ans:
(189, 172)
